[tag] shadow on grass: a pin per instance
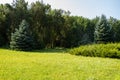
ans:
(54, 50)
(47, 50)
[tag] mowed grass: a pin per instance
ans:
(16, 65)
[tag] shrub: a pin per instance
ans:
(111, 50)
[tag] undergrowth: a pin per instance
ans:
(111, 50)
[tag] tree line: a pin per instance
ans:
(51, 28)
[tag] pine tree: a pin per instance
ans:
(21, 39)
(103, 31)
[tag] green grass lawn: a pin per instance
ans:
(16, 65)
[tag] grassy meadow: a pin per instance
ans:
(56, 65)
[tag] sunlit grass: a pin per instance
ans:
(16, 65)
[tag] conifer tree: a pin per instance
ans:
(103, 31)
(21, 39)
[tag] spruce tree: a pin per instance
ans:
(103, 31)
(21, 39)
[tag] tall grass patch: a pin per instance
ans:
(111, 50)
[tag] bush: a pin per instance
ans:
(111, 50)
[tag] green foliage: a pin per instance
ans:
(3, 26)
(116, 28)
(39, 20)
(79, 30)
(21, 39)
(111, 50)
(55, 27)
(103, 31)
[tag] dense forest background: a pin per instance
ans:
(55, 27)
